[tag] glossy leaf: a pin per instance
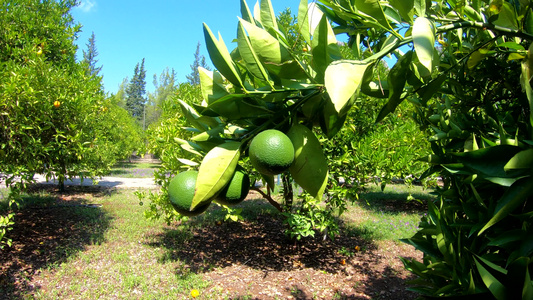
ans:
(275, 57)
(268, 16)
(215, 172)
(303, 21)
(238, 106)
(324, 48)
(211, 83)
(343, 81)
(497, 289)
(405, 8)
(246, 13)
(397, 79)
(191, 115)
(424, 42)
(221, 58)
(372, 9)
(252, 62)
(515, 196)
(310, 167)
(522, 160)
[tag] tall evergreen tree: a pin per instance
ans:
(199, 61)
(135, 92)
(89, 57)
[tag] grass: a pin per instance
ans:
(123, 265)
(387, 215)
(122, 257)
(134, 169)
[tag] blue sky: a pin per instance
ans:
(165, 33)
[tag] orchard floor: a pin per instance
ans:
(252, 259)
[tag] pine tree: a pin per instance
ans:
(89, 57)
(135, 100)
(199, 61)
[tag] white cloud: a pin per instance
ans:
(87, 5)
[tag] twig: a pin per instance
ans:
(269, 198)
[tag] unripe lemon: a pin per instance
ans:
(271, 152)
(181, 192)
(236, 190)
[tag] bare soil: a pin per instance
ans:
(252, 259)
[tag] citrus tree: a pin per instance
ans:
(465, 68)
(54, 117)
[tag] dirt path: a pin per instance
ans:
(117, 182)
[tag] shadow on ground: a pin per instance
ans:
(50, 227)
(259, 243)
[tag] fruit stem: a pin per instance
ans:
(269, 198)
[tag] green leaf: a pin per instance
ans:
(522, 160)
(251, 61)
(331, 121)
(238, 106)
(246, 13)
(424, 42)
(221, 58)
(303, 21)
(211, 84)
(405, 8)
(268, 16)
(525, 79)
(215, 172)
(397, 79)
(420, 7)
(275, 57)
(343, 81)
(515, 196)
(372, 9)
(324, 48)
(497, 289)
(489, 162)
(310, 167)
(191, 115)
(506, 17)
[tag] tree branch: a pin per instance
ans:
(269, 198)
(480, 25)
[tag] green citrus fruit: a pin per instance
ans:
(236, 190)
(271, 152)
(181, 191)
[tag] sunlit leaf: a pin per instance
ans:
(497, 289)
(310, 167)
(303, 21)
(397, 79)
(211, 84)
(343, 81)
(522, 160)
(221, 58)
(405, 8)
(215, 172)
(424, 41)
(324, 48)
(275, 57)
(252, 62)
(268, 16)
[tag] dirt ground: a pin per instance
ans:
(252, 259)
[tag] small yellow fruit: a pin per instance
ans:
(57, 104)
(195, 293)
